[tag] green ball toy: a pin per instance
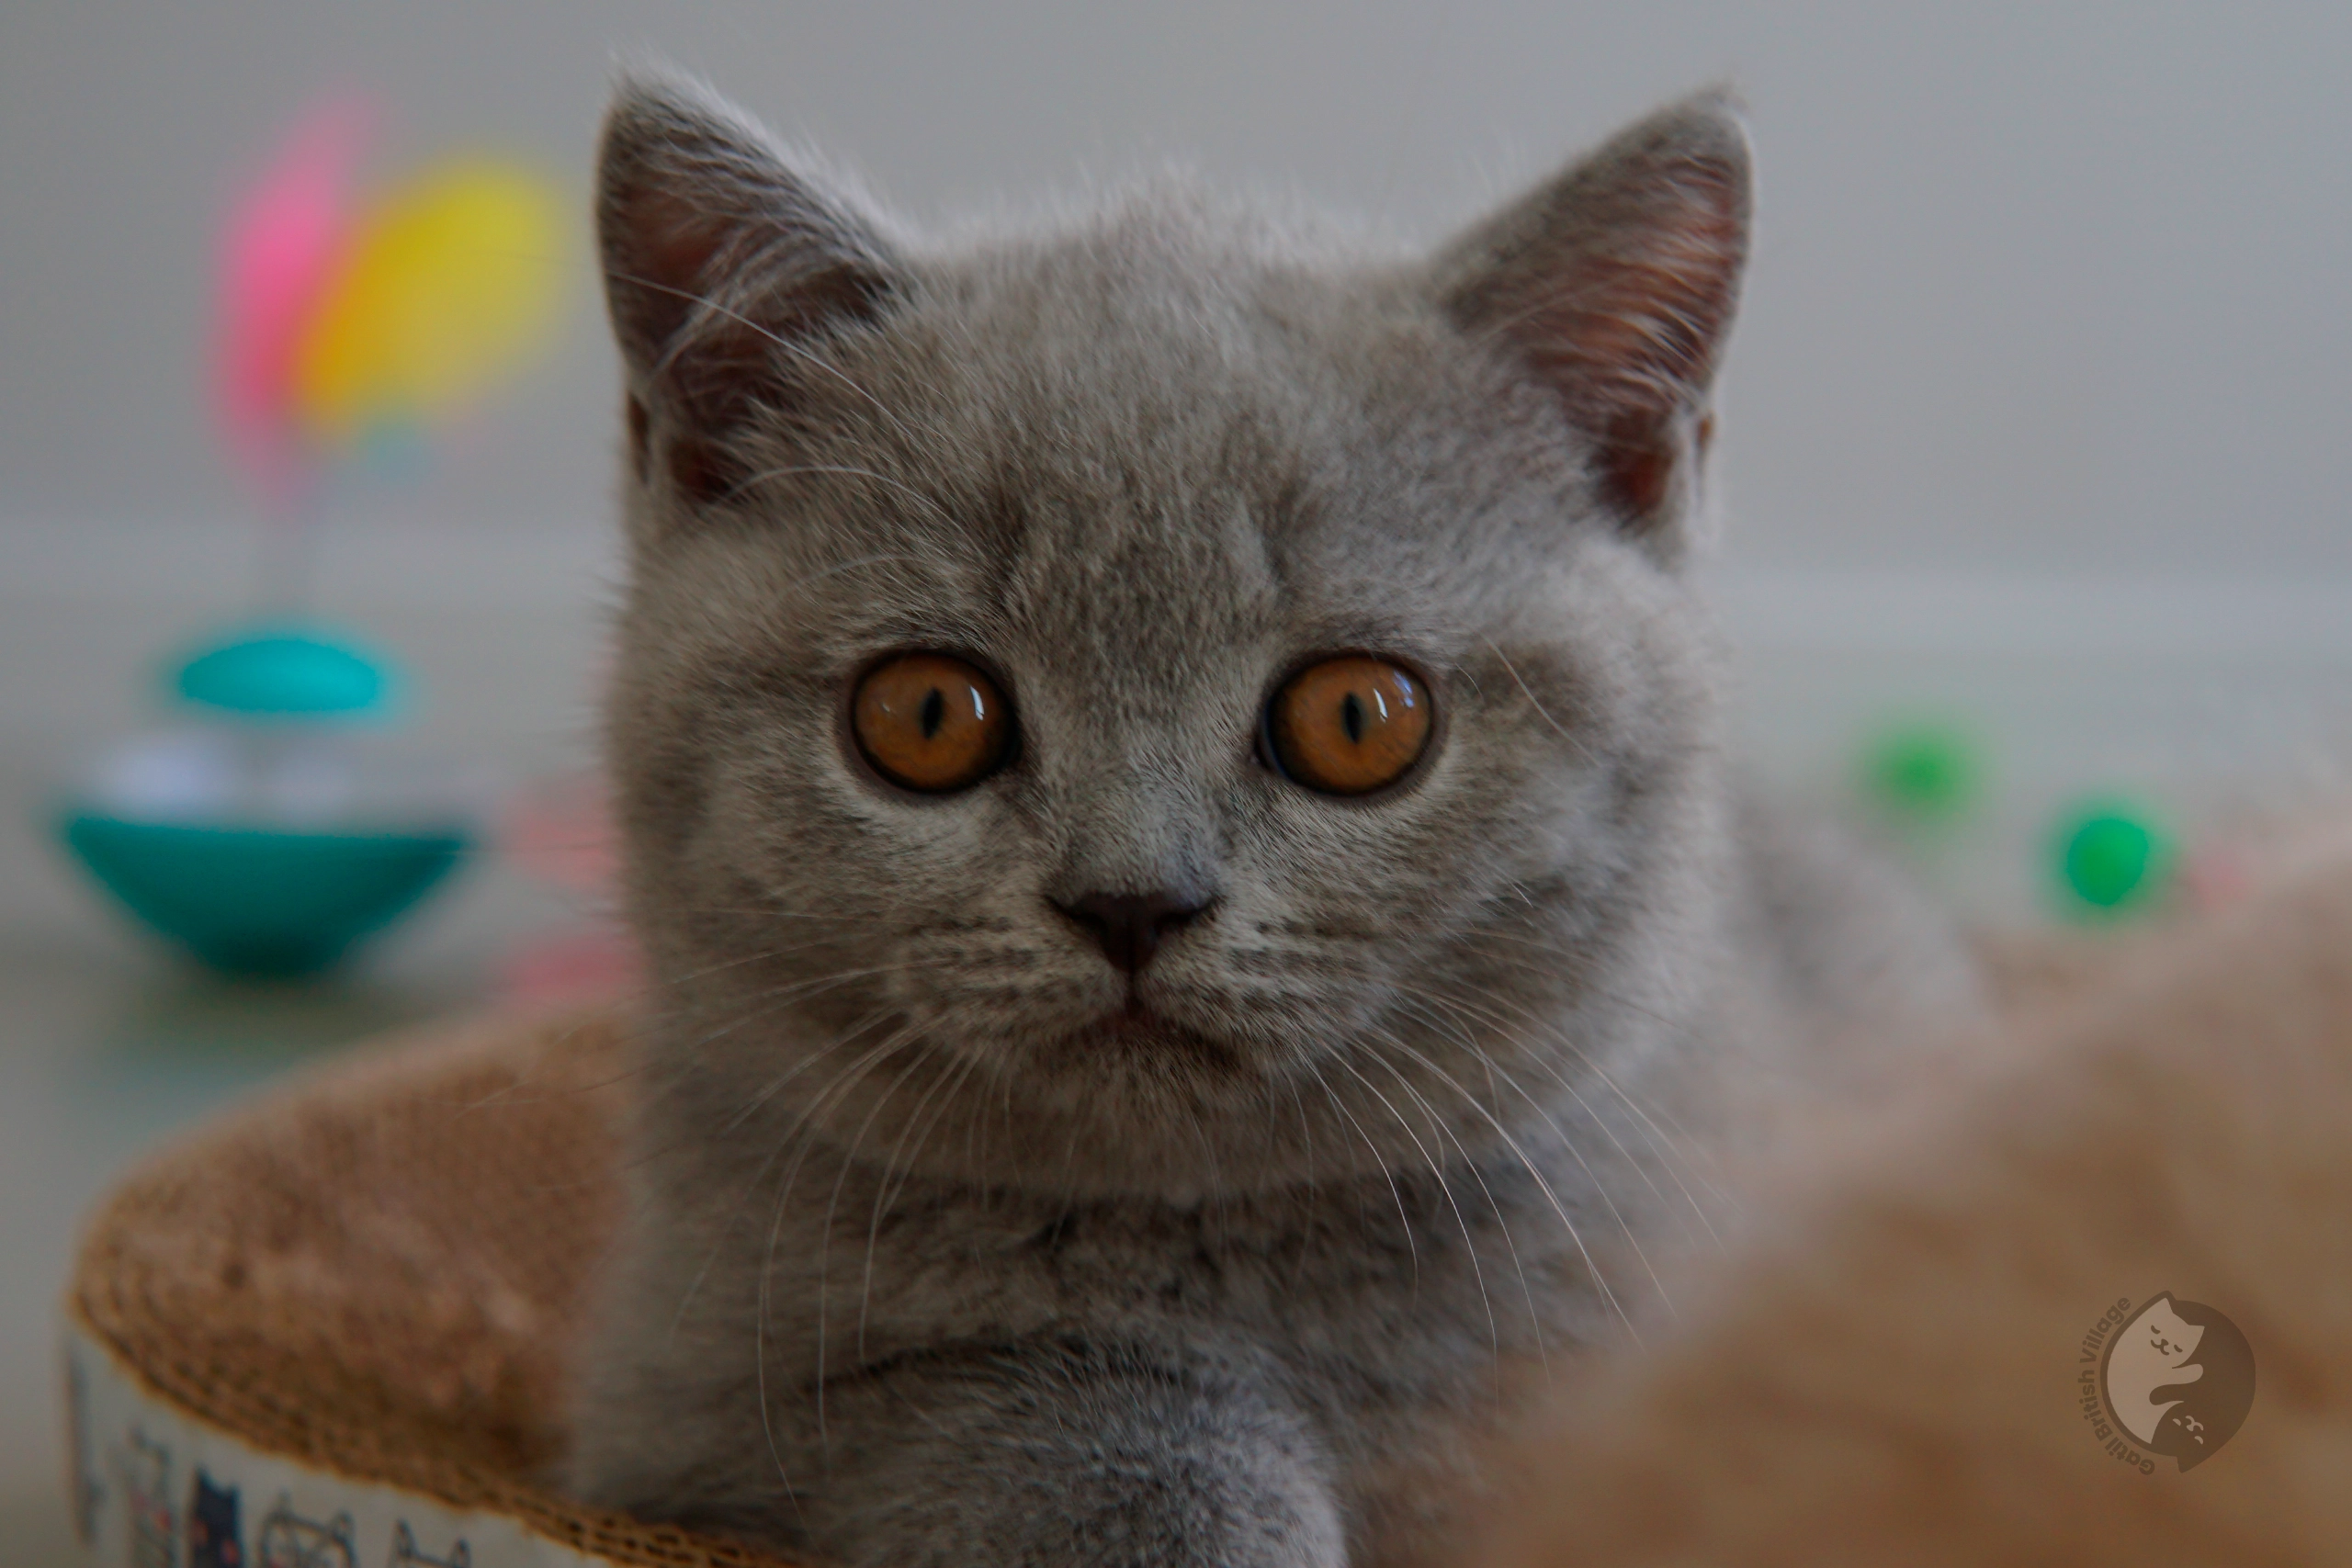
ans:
(2113, 857)
(1924, 772)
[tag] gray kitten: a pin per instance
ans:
(1171, 785)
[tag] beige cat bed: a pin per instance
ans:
(349, 1307)
(332, 1331)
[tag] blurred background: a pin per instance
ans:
(2033, 462)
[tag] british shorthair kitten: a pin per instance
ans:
(1171, 791)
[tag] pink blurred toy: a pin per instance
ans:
(278, 253)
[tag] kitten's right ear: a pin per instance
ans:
(1614, 285)
(722, 261)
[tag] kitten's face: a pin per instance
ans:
(1140, 475)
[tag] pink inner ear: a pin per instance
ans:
(1623, 313)
(1629, 339)
(724, 267)
(1636, 335)
(1636, 474)
(710, 372)
(664, 257)
(664, 262)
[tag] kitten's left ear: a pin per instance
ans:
(1615, 285)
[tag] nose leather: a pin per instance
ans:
(1129, 927)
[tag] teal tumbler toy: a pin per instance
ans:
(267, 831)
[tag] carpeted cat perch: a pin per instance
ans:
(329, 1334)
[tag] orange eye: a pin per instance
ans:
(930, 723)
(1349, 725)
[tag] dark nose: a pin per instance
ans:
(1128, 926)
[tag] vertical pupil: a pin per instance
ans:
(1352, 717)
(935, 712)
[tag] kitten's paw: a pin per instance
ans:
(1062, 1458)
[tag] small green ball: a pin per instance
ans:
(2113, 857)
(1928, 772)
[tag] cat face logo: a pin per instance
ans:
(2178, 1378)
(405, 1553)
(290, 1540)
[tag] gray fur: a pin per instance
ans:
(925, 1265)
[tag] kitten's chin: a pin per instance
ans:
(1136, 1034)
(1129, 1104)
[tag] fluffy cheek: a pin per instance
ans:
(1369, 917)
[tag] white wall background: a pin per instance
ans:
(2041, 289)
